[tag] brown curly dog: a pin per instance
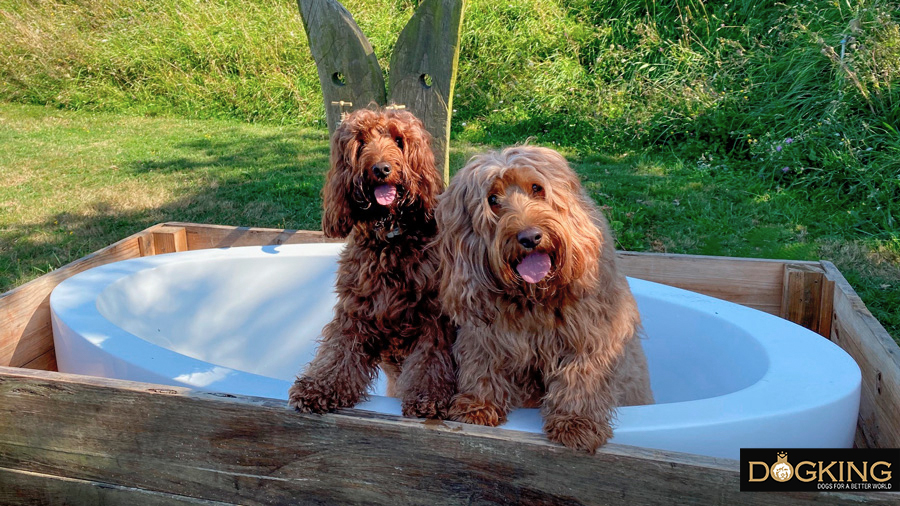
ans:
(381, 193)
(544, 317)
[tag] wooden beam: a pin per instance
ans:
(25, 334)
(146, 244)
(22, 488)
(169, 239)
(348, 68)
(247, 450)
(859, 333)
(45, 362)
(808, 297)
(750, 282)
(423, 71)
(218, 236)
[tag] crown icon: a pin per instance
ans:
(782, 470)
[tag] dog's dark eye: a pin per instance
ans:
(399, 141)
(536, 189)
(492, 200)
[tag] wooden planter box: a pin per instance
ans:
(78, 439)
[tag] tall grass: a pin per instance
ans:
(805, 96)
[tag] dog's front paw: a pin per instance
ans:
(308, 396)
(421, 406)
(470, 409)
(577, 432)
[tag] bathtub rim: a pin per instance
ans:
(29, 367)
(692, 415)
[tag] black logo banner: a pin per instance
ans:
(820, 469)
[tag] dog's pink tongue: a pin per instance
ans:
(534, 266)
(385, 194)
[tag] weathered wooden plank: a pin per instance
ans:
(424, 67)
(804, 300)
(35, 489)
(826, 308)
(25, 333)
(348, 68)
(257, 451)
(750, 282)
(858, 332)
(145, 244)
(169, 239)
(218, 236)
(45, 362)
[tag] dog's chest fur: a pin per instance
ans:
(537, 336)
(376, 285)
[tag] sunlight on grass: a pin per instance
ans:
(61, 201)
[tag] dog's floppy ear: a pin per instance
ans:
(585, 242)
(465, 278)
(420, 157)
(336, 220)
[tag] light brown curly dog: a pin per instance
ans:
(381, 193)
(544, 317)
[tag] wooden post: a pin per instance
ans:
(423, 66)
(169, 240)
(807, 298)
(423, 70)
(348, 68)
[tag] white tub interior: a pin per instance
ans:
(245, 320)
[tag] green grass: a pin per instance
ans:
(73, 182)
(746, 128)
(804, 95)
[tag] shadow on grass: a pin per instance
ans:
(267, 180)
(234, 149)
(241, 180)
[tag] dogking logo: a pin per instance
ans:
(781, 470)
(866, 469)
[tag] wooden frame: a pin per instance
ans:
(78, 439)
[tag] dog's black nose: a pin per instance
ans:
(530, 237)
(381, 169)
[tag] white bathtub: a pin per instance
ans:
(245, 321)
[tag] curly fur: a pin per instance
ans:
(387, 312)
(569, 342)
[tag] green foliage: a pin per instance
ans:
(72, 182)
(205, 59)
(804, 96)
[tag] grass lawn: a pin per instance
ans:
(73, 182)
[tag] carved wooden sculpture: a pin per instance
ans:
(422, 73)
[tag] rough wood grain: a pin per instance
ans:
(858, 332)
(22, 488)
(72, 434)
(169, 239)
(257, 451)
(45, 362)
(25, 334)
(750, 282)
(808, 298)
(348, 68)
(218, 236)
(423, 70)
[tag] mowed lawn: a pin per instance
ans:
(73, 182)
